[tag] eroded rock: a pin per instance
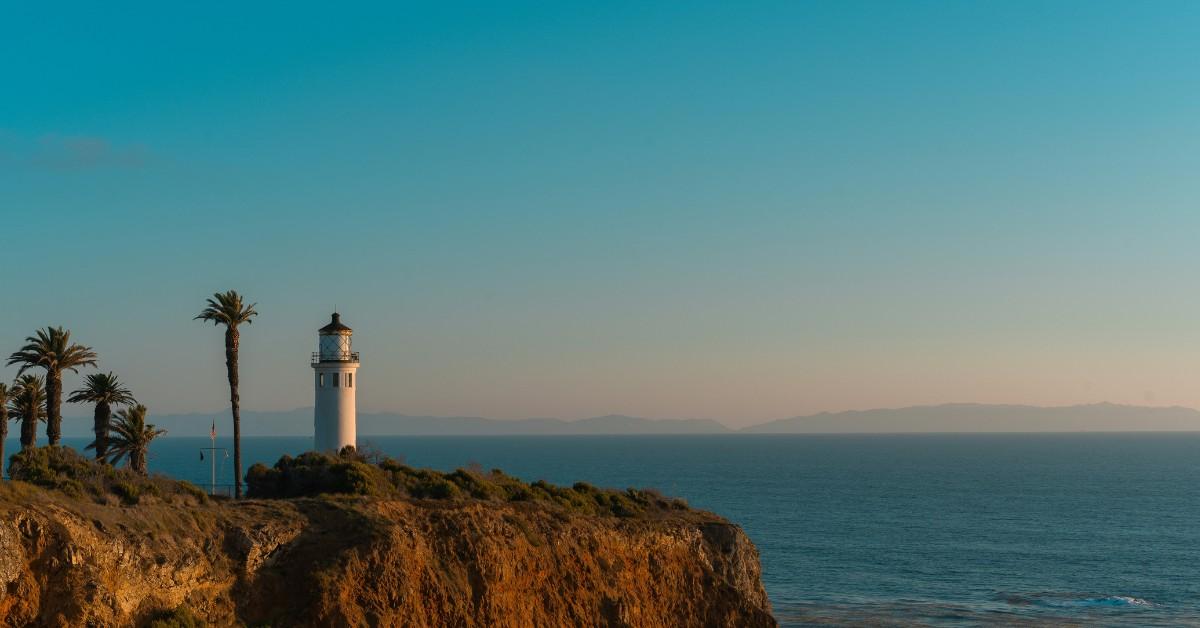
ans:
(363, 562)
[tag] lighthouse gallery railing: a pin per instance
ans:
(351, 356)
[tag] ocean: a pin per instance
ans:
(940, 530)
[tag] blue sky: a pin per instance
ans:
(730, 210)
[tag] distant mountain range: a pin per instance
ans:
(973, 417)
(959, 417)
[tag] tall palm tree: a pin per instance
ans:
(6, 395)
(105, 390)
(28, 406)
(131, 438)
(53, 350)
(227, 308)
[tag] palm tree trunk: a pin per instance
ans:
(28, 433)
(53, 406)
(231, 368)
(3, 434)
(100, 421)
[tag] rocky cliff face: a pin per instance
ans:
(368, 562)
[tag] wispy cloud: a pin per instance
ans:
(55, 151)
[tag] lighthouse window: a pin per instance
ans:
(349, 380)
(335, 377)
(320, 380)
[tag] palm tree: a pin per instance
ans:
(226, 308)
(28, 406)
(131, 438)
(53, 350)
(105, 390)
(6, 395)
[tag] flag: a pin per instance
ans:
(213, 432)
(201, 454)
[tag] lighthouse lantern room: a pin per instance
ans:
(335, 364)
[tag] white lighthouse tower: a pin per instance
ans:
(335, 365)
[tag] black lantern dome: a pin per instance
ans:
(335, 326)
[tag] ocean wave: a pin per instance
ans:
(1066, 600)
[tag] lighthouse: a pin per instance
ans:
(335, 365)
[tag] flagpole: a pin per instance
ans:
(213, 459)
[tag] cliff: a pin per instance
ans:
(367, 561)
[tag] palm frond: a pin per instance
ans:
(103, 388)
(131, 437)
(51, 348)
(227, 308)
(28, 398)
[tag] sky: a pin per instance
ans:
(741, 211)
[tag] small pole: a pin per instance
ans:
(213, 462)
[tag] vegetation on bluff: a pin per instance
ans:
(64, 469)
(352, 473)
(349, 473)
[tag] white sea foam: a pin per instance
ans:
(1117, 600)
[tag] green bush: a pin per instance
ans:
(129, 493)
(434, 488)
(474, 485)
(182, 617)
(314, 473)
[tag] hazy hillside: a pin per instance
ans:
(964, 417)
(386, 424)
(299, 422)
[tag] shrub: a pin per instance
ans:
(435, 488)
(182, 617)
(129, 493)
(315, 473)
(474, 485)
